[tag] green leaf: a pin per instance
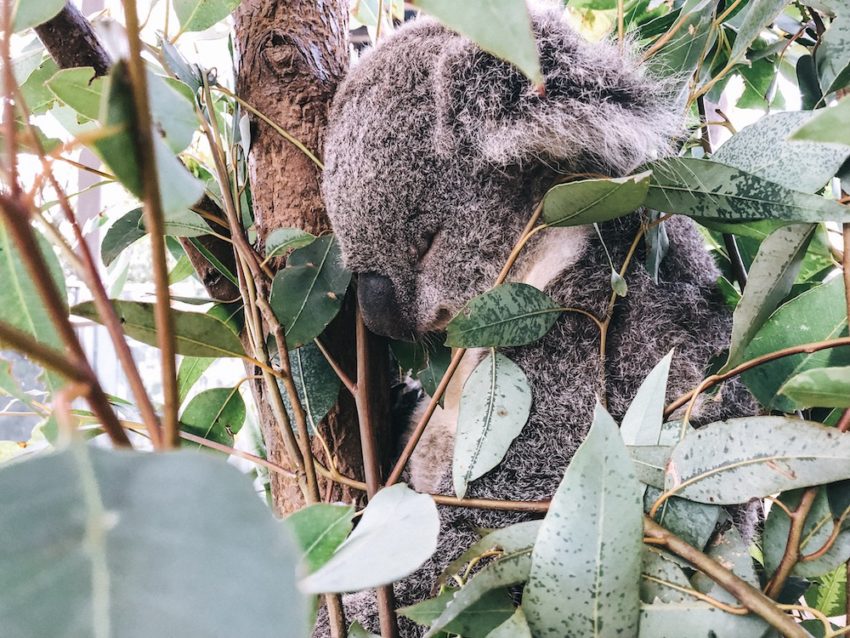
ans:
(396, 534)
(756, 16)
(426, 361)
(80, 89)
(178, 66)
(830, 125)
(179, 190)
(476, 621)
(500, 27)
(642, 422)
(733, 461)
(693, 522)
(832, 55)
(769, 281)
(514, 627)
(618, 284)
(705, 189)
(197, 15)
(197, 334)
(216, 415)
(119, 537)
(815, 315)
(828, 592)
(191, 369)
(820, 387)
(694, 618)
(31, 13)
(21, 305)
(356, 631)
(681, 55)
(511, 540)
(308, 293)
(763, 149)
(282, 240)
(494, 407)
(125, 231)
(512, 314)
(172, 107)
(594, 200)
(319, 530)
(316, 382)
(661, 566)
(819, 526)
(730, 550)
(511, 569)
(587, 560)
(37, 96)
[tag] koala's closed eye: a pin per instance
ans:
(423, 245)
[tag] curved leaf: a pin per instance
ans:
(705, 189)
(754, 17)
(196, 334)
(320, 529)
(308, 293)
(733, 461)
(829, 125)
(512, 314)
(511, 540)
(494, 407)
(197, 15)
(594, 200)
(695, 618)
(820, 387)
(282, 240)
(396, 534)
(476, 621)
(514, 627)
(126, 536)
(587, 560)
(642, 422)
(31, 13)
(216, 414)
(832, 55)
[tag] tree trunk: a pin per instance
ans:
(292, 56)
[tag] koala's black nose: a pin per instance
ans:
(379, 306)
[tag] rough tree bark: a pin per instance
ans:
(292, 55)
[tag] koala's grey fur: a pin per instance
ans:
(435, 158)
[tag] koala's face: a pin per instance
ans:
(436, 152)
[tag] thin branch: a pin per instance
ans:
(749, 596)
(334, 364)
(155, 224)
(41, 354)
(792, 546)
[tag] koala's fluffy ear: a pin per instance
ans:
(599, 109)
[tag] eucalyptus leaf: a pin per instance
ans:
(763, 149)
(587, 559)
(319, 530)
(308, 293)
(730, 550)
(815, 315)
(756, 16)
(123, 232)
(693, 522)
(769, 281)
(282, 240)
(476, 621)
(658, 566)
(514, 627)
(500, 27)
(190, 370)
(732, 461)
(828, 126)
(681, 54)
(79, 88)
(20, 304)
(31, 13)
(494, 407)
(396, 534)
(511, 540)
(197, 15)
(511, 569)
(705, 189)
(695, 618)
(594, 200)
(820, 387)
(512, 314)
(135, 534)
(832, 55)
(316, 383)
(216, 415)
(644, 417)
(196, 334)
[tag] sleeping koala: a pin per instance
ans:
(436, 156)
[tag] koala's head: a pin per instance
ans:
(437, 152)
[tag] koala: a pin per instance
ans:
(436, 155)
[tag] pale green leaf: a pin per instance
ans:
(31, 13)
(395, 535)
(695, 618)
(197, 15)
(754, 17)
(191, 369)
(594, 200)
(820, 387)
(587, 560)
(476, 621)
(832, 55)
(494, 407)
(830, 125)
(514, 627)
(642, 422)
(319, 530)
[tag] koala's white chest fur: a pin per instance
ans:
(555, 251)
